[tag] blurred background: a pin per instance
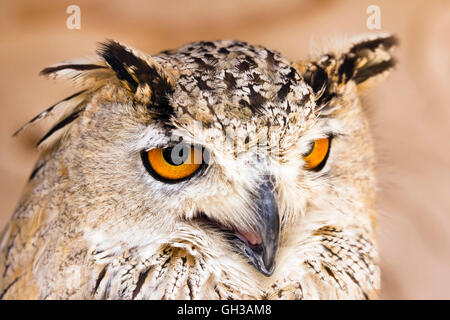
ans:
(410, 112)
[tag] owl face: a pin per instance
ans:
(224, 149)
(230, 133)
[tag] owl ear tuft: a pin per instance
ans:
(367, 59)
(140, 74)
(362, 62)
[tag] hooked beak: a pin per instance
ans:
(261, 246)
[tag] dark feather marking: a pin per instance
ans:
(331, 274)
(365, 73)
(100, 277)
(208, 44)
(373, 44)
(76, 94)
(202, 65)
(245, 65)
(119, 58)
(191, 290)
(256, 100)
(244, 104)
(256, 79)
(317, 79)
(224, 51)
(362, 258)
(7, 266)
(167, 52)
(49, 110)
(229, 80)
(238, 44)
(210, 58)
(8, 287)
(60, 125)
(358, 284)
(8, 250)
(347, 68)
(331, 252)
(309, 264)
(292, 74)
(270, 58)
(288, 108)
(202, 84)
(280, 293)
(107, 291)
(300, 288)
(217, 291)
(140, 282)
(177, 277)
(284, 90)
(80, 67)
(35, 171)
(166, 262)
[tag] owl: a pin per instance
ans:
(218, 170)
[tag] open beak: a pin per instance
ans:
(261, 246)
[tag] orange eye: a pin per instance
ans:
(174, 163)
(316, 158)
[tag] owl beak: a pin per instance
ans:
(261, 247)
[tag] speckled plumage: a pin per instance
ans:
(92, 223)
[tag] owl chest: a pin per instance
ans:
(170, 273)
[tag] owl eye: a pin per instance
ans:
(173, 164)
(316, 158)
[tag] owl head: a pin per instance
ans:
(225, 150)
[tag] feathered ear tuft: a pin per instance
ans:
(62, 107)
(83, 72)
(89, 74)
(69, 66)
(367, 59)
(362, 62)
(140, 74)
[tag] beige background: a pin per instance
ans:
(410, 112)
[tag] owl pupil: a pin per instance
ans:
(175, 157)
